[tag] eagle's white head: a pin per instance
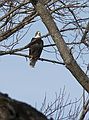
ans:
(37, 34)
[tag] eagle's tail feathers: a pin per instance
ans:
(32, 63)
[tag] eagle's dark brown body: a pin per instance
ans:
(35, 49)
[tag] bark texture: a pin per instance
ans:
(14, 110)
(66, 55)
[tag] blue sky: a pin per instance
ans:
(30, 85)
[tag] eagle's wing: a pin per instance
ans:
(33, 41)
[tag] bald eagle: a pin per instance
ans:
(35, 48)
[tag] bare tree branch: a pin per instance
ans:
(24, 22)
(84, 37)
(85, 110)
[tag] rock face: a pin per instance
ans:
(11, 109)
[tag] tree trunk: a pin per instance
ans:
(65, 53)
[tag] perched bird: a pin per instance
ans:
(35, 48)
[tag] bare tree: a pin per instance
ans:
(67, 24)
